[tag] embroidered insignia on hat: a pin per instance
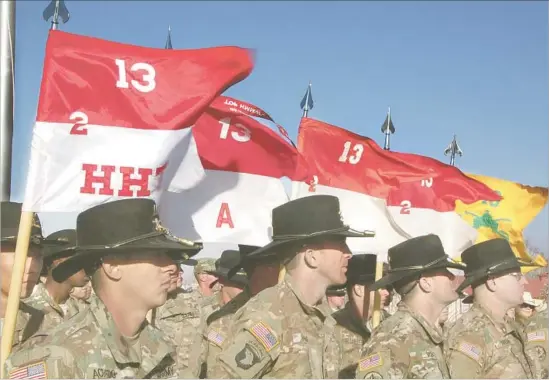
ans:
(32, 371)
(537, 336)
(470, 350)
(215, 337)
(265, 335)
(158, 227)
(370, 362)
(63, 239)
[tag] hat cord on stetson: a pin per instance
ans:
(490, 270)
(318, 233)
(424, 266)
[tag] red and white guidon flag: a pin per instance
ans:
(111, 116)
(244, 162)
(397, 195)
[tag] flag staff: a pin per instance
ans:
(54, 10)
(307, 103)
(7, 82)
(169, 39)
(453, 149)
(388, 129)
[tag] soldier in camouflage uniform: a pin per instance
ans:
(28, 319)
(229, 288)
(537, 333)
(351, 330)
(286, 331)
(182, 319)
(130, 258)
(207, 292)
(336, 297)
(52, 297)
(261, 274)
(485, 342)
(408, 344)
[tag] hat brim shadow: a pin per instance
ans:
(469, 280)
(270, 249)
(86, 255)
(393, 277)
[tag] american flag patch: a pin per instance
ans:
(264, 335)
(369, 362)
(33, 371)
(470, 350)
(215, 337)
(536, 336)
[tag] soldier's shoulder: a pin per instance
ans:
(42, 361)
(471, 323)
(228, 310)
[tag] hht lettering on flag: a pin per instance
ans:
(113, 118)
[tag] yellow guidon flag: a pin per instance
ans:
(508, 217)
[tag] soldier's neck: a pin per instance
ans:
(492, 306)
(310, 288)
(430, 311)
(205, 289)
(128, 319)
(59, 292)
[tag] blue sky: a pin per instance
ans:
(477, 69)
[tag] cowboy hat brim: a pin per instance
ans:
(471, 279)
(231, 275)
(86, 255)
(270, 248)
(395, 276)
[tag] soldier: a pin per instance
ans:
(82, 293)
(335, 295)
(351, 329)
(261, 274)
(130, 258)
(287, 330)
(182, 319)
(536, 339)
(408, 344)
(28, 319)
(485, 342)
(52, 297)
(233, 286)
(207, 292)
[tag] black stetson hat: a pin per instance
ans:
(127, 225)
(307, 218)
(229, 260)
(413, 257)
(489, 258)
(10, 214)
(63, 244)
(244, 260)
(362, 269)
(336, 290)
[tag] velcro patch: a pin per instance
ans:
(537, 336)
(33, 371)
(265, 335)
(470, 350)
(370, 362)
(215, 337)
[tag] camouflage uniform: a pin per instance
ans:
(536, 344)
(351, 334)
(479, 347)
(218, 324)
(181, 321)
(27, 323)
(404, 346)
(89, 346)
(54, 313)
(278, 336)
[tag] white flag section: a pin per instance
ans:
(243, 162)
(225, 207)
(114, 120)
(71, 173)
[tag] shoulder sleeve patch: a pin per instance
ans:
(370, 362)
(265, 335)
(470, 350)
(31, 371)
(536, 336)
(215, 337)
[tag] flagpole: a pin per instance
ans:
(388, 131)
(7, 79)
(307, 99)
(54, 20)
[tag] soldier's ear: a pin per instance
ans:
(111, 269)
(358, 290)
(311, 257)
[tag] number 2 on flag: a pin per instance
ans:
(80, 121)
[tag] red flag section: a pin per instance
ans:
(130, 86)
(360, 165)
(112, 118)
(243, 162)
(398, 195)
